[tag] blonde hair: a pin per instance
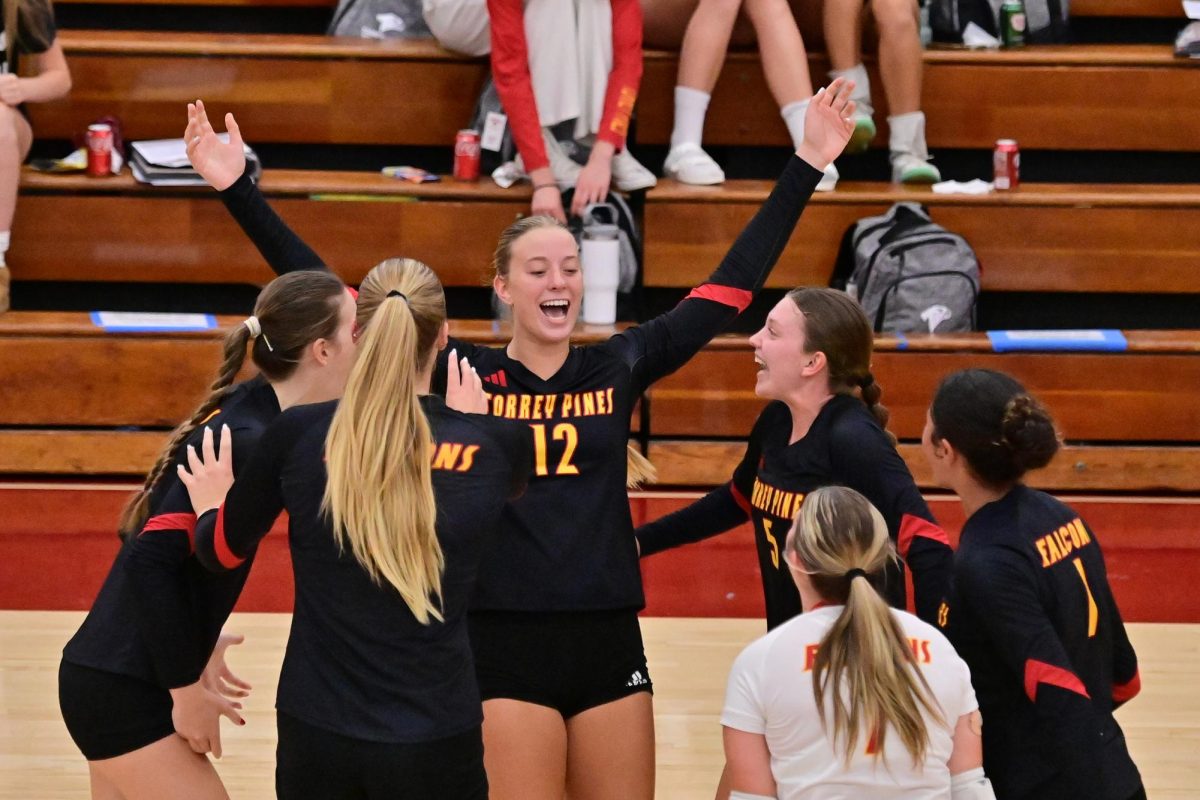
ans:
(293, 311)
(866, 651)
(379, 492)
(638, 468)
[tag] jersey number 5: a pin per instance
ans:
(772, 541)
(564, 431)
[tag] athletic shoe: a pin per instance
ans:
(830, 180)
(910, 168)
(864, 133)
(630, 176)
(4, 281)
(566, 170)
(688, 163)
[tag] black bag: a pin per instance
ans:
(1046, 21)
(909, 274)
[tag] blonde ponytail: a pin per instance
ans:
(864, 668)
(638, 469)
(379, 491)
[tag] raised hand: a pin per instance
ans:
(219, 163)
(208, 480)
(828, 124)
(217, 676)
(464, 389)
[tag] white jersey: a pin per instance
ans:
(770, 692)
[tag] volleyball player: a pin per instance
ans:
(1031, 610)
(554, 627)
(825, 425)
(391, 497)
(133, 686)
(851, 698)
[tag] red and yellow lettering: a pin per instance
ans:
(468, 458)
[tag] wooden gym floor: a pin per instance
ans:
(689, 659)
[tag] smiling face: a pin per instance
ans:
(543, 284)
(784, 364)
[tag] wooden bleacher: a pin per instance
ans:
(79, 401)
(315, 89)
(1140, 238)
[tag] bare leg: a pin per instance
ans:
(102, 788)
(900, 61)
(15, 140)
(785, 62)
(165, 770)
(611, 751)
(705, 44)
(524, 751)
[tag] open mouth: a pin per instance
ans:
(762, 365)
(556, 309)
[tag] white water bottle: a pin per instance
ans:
(600, 254)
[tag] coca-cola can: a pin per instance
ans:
(1007, 162)
(100, 148)
(466, 156)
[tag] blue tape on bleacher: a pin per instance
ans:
(147, 322)
(1103, 340)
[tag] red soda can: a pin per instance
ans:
(99, 147)
(1007, 161)
(466, 156)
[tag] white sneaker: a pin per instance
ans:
(566, 170)
(630, 176)
(830, 180)
(688, 163)
(911, 168)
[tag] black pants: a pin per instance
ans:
(313, 763)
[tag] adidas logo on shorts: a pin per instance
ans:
(638, 679)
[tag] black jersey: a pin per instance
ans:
(844, 446)
(568, 543)
(159, 613)
(1032, 614)
(357, 661)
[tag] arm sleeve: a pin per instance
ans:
(744, 709)
(283, 250)
(866, 461)
(722, 509)
(1127, 679)
(665, 343)
(227, 536)
(519, 441)
(510, 71)
(1004, 588)
(621, 93)
(164, 613)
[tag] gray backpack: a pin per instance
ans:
(909, 274)
(379, 19)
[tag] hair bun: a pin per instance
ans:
(1028, 432)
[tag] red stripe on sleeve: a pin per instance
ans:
(180, 521)
(221, 547)
(740, 498)
(1125, 692)
(1038, 672)
(725, 295)
(912, 526)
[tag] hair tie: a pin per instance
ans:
(254, 326)
(855, 573)
(866, 381)
(398, 293)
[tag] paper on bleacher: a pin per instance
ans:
(170, 153)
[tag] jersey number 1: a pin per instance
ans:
(1093, 611)
(564, 431)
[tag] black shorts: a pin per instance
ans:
(568, 661)
(109, 715)
(312, 762)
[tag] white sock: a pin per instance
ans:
(4, 239)
(862, 87)
(793, 116)
(908, 134)
(691, 105)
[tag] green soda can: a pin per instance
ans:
(1012, 23)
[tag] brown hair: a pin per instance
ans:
(293, 311)
(835, 325)
(26, 23)
(991, 419)
(841, 541)
(379, 491)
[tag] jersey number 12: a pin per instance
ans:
(563, 432)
